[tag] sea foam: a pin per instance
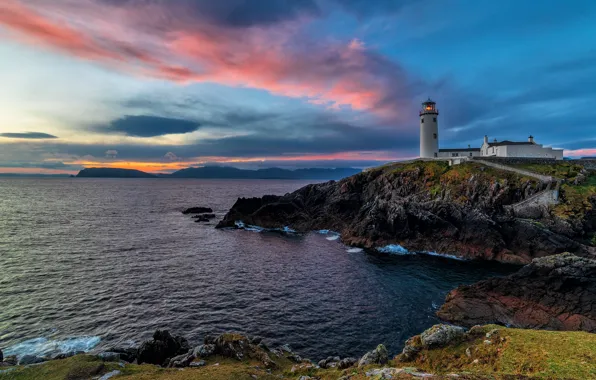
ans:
(249, 227)
(396, 249)
(45, 347)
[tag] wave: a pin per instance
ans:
(396, 249)
(249, 227)
(45, 347)
(354, 250)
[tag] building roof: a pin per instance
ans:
(507, 142)
(460, 150)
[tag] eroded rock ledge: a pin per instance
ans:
(426, 206)
(555, 293)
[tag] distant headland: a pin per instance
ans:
(225, 172)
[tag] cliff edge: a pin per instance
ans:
(431, 206)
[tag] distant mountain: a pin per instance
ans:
(224, 172)
(113, 173)
(271, 173)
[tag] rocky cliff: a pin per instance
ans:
(555, 293)
(427, 206)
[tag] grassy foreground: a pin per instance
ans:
(511, 354)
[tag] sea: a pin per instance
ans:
(88, 264)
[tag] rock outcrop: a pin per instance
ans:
(162, 348)
(435, 337)
(424, 206)
(555, 293)
(377, 356)
(197, 210)
(239, 347)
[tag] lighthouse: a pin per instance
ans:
(429, 130)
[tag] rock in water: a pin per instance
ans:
(197, 210)
(377, 356)
(162, 348)
(554, 293)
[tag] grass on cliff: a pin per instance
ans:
(575, 199)
(517, 353)
(560, 169)
(438, 177)
(512, 354)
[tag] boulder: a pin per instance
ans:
(377, 356)
(11, 360)
(209, 339)
(197, 210)
(435, 337)
(66, 355)
(239, 347)
(204, 350)
(162, 348)
(346, 363)
(127, 354)
(441, 335)
(31, 359)
(553, 293)
(182, 361)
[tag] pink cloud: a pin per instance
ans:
(587, 152)
(278, 59)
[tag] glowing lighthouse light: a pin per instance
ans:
(429, 130)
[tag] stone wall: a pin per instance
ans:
(517, 160)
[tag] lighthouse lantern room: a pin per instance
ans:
(429, 130)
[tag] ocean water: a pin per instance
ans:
(90, 263)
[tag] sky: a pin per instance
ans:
(160, 85)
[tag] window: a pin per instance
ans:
(470, 154)
(422, 120)
(454, 154)
(435, 154)
(435, 135)
(435, 119)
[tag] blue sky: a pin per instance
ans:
(159, 85)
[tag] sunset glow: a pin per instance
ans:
(167, 85)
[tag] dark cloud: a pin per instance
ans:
(28, 135)
(40, 165)
(232, 13)
(364, 8)
(150, 126)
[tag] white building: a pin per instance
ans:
(429, 142)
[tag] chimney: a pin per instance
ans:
(531, 139)
(485, 139)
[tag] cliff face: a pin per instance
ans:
(422, 206)
(555, 293)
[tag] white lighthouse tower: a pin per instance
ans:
(429, 130)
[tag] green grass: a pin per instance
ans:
(516, 353)
(513, 353)
(559, 169)
(575, 200)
